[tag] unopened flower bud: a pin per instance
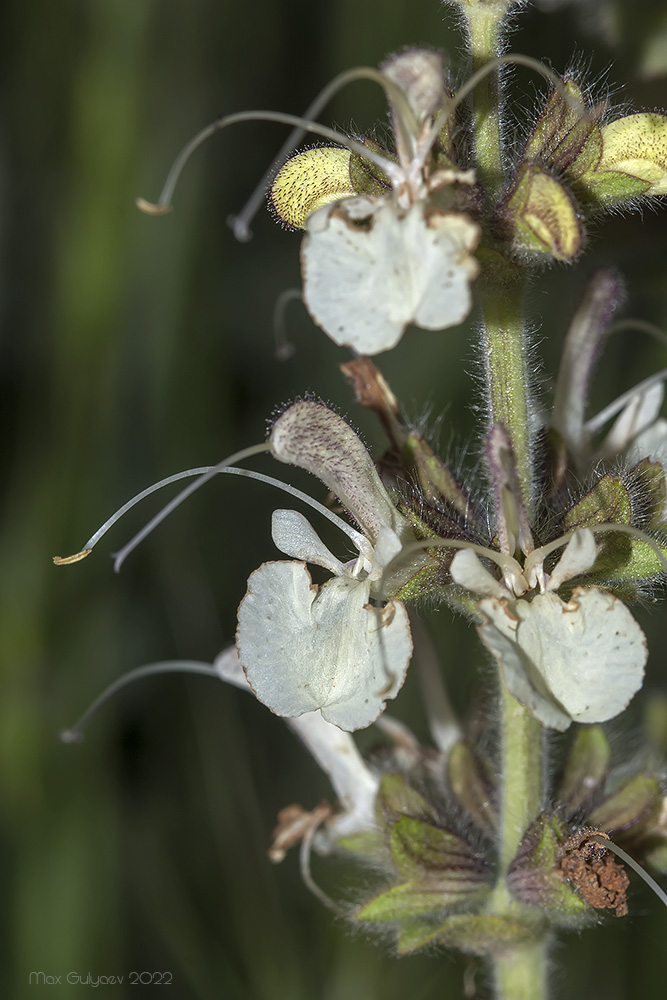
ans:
(566, 137)
(540, 215)
(633, 161)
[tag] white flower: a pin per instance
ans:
(374, 264)
(370, 268)
(578, 661)
(305, 647)
(337, 647)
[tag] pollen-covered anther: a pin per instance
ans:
(308, 181)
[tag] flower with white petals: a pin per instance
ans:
(575, 661)
(337, 647)
(372, 264)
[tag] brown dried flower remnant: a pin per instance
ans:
(294, 823)
(593, 872)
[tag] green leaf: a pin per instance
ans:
(396, 797)
(566, 137)
(482, 935)
(534, 876)
(415, 899)
(608, 501)
(421, 850)
(611, 188)
(414, 934)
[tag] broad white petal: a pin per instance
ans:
(304, 647)
(294, 535)
(578, 556)
(438, 245)
(468, 570)
(387, 546)
(582, 661)
(365, 280)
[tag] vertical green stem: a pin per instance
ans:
(521, 973)
(522, 767)
(485, 18)
(520, 969)
(500, 288)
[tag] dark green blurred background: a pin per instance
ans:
(134, 347)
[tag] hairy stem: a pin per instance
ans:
(521, 973)
(519, 968)
(500, 288)
(522, 775)
(485, 19)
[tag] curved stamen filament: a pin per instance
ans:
(302, 125)
(629, 860)
(628, 529)
(507, 564)
(284, 348)
(515, 59)
(537, 556)
(306, 874)
(241, 223)
(75, 734)
(163, 204)
(205, 473)
(640, 326)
